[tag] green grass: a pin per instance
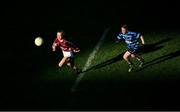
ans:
(162, 65)
(161, 70)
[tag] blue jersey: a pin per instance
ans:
(131, 39)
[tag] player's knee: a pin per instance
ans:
(67, 60)
(125, 57)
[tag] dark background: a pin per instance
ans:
(20, 21)
(150, 13)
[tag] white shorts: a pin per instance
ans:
(67, 53)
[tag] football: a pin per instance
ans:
(38, 41)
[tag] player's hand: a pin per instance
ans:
(76, 50)
(117, 40)
(142, 44)
(53, 49)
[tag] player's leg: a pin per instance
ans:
(66, 58)
(63, 60)
(71, 64)
(70, 60)
(126, 58)
(139, 58)
(134, 54)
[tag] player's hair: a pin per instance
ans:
(124, 26)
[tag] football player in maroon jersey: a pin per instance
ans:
(68, 49)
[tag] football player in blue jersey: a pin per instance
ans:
(132, 41)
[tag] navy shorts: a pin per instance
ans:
(134, 50)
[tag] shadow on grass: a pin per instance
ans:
(161, 59)
(145, 49)
(105, 63)
(153, 47)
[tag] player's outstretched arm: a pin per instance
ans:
(118, 38)
(73, 46)
(54, 47)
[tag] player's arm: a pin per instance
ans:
(118, 38)
(76, 49)
(73, 46)
(54, 45)
(142, 39)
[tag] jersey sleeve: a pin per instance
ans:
(55, 43)
(138, 35)
(71, 45)
(119, 37)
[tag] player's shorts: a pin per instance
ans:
(68, 54)
(134, 50)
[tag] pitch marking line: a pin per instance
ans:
(88, 62)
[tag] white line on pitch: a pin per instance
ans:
(91, 57)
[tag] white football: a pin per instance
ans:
(38, 41)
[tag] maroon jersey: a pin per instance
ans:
(65, 45)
